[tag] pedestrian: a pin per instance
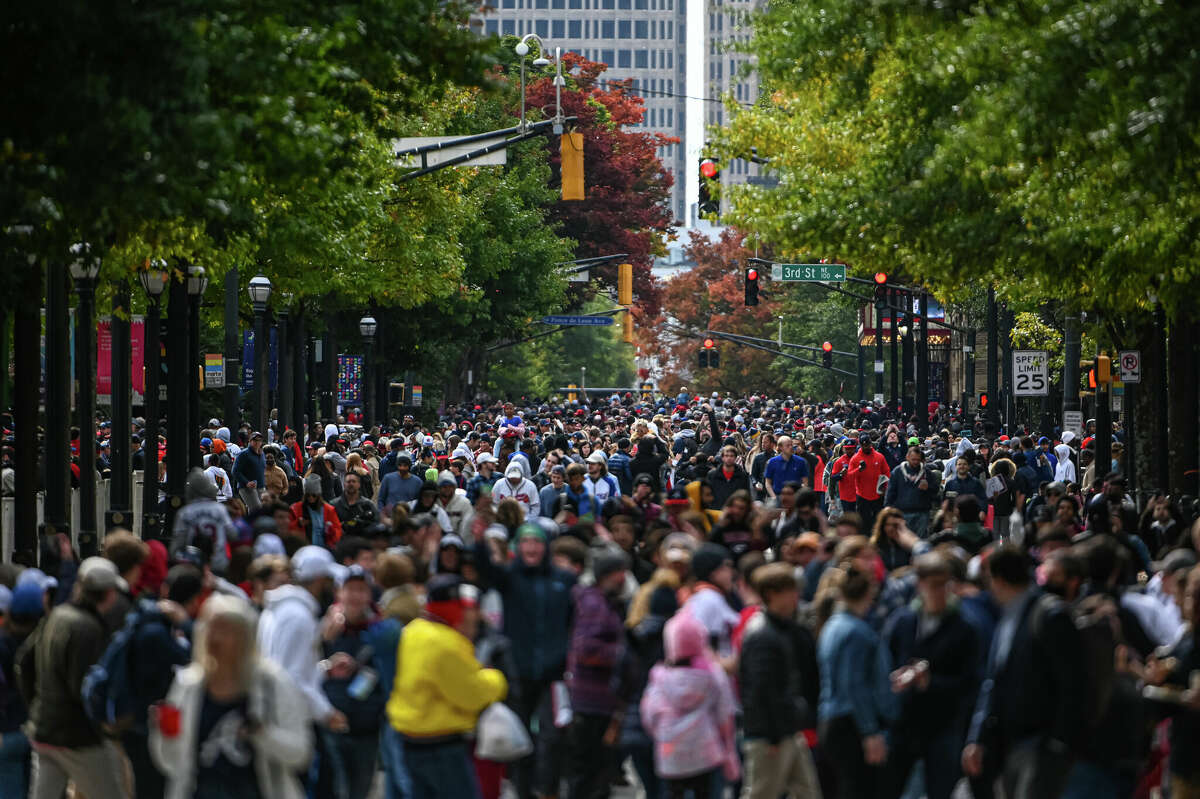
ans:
(233, 723)
(355, 511)
(440, 690)
(856, 703)
(596, 651)
(203, 515)
(913, 488)
(249, 472)
(780, 687)
(51, 665)
(712, 567)
(728, 478)
(26, 605)
(314, 519)
(688, 709)
(518, 487)
(1028, 720)
(871, 473)
(399, 486)
(936, 654)
(786, 467)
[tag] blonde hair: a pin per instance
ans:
(639, 607)
(238, 612)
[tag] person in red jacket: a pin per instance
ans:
(870, 472)
(314, 518)
(847, 483)
(291, 448)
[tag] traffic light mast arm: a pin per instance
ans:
(737, 340)
(558, 329)
(537, 129)
(786, 343)
(825, 286)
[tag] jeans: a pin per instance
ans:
(540, 773)
(843, 745)
(148, 781)
(591, 763)
(441, 771)
(643, 764)
(941, 755)
(699, 786)
(918, 522)
(348, 763)
(14, 765)
(868, 509)
(1032, 771)
(397, 784)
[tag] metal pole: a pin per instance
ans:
(260, 369)
(906, 354)
(878, 354)
(923, 368)
(233, 355)
(992, 357)
(1071, 354)
(1103, 430)
(151, 523)
(121, 480)
(195, 359)
(968, 369)
(862, 374)
(1161, 410)
(85, 402)
(177, 387)
(894, 372)
(368, 383)
(283, 388)
(57, 505)
(1009, 404)
(27, 379)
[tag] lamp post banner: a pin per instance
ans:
(137, 351)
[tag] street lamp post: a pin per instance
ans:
(522, 49)
(177, 387)
(260, 295)
(197, 282)
(367, 326)
(154, 282)
(283, 387)
(84, 269)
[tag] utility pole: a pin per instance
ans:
(57, 513)
(121, 482)
(1006, 365)
(879, 353)
(894, 375)
(1071, 356)
(992, 343)
(233, 359)
(969, 368)
(1161, 410)
(1103, 420)
(923, 368)
(906, 354)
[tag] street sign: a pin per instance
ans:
(1131, 366)
(497, 158)
(809, 273)
(879, 367)
(1031, 373)
(879, 399)
(577, 320)
(416, 396)
(214, 371)
(1073, 421)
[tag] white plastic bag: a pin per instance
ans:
(500, 736)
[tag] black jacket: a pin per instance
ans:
(68, 642)
(650, 457)
(723, 488)
(1036, 691)
(952, 650)
(778, 677)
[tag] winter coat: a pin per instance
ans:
(333, 525)
(649, 459)
(903, 491)
(69, 641)
(595, 652)
(289, 634)
(723, 487)
(440, 688)
(282, 745)
(688, 708)
(778, 677)
(537, 611)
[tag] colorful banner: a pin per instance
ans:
(214, 370)
(137, 353)
(349, 380)
(248, 362)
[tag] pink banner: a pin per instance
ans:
(137, 342)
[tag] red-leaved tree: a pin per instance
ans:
(627, 209)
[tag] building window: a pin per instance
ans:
(492, 26)
(641, 29)
(608, 57)
(670, 117)
(623, 29)
(670, 59)
(624, 4)
(558, 28)
(574, 29)
(608, 4)
(509, 27)
(574, 4)
(640, 5)
(641, 59)
(558, 4)
(608, 29)
(542, 28)
(623, 59)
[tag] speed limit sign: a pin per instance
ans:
(1031, 373)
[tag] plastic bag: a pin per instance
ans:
(500, 736)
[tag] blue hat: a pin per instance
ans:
(206, 442)
(27, 601)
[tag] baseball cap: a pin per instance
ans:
(101, 574)
(643, 479)
(255, 435)
(352, 572)
(312, 563)
(597, 457)
(37, 577)
(28, 600)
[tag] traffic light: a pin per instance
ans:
(751, 286)
(709, 357)
(625, 284)
(881, 291)
(827, 355)
(983, 400)
(1103, 369)
(628, 332)
(709, 170)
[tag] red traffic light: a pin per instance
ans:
(827, 346)
(708, 343)
(983, 400)
(752, 274)
(708, 168)
(881, 278)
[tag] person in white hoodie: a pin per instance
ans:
(231, 719)
(289, 632)
(516, 485)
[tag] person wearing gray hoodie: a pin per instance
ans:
(202, 515)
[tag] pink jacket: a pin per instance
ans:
(688, 709)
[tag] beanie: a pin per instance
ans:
(312, 485)
(607, 562)
(530, 530)
(707, 559)
(199, 486)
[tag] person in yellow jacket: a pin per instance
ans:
(440, 690)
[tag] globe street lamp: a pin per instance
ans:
(260, 294)
(154, 281)
(367, 326)
(84, 269)
(197, 282)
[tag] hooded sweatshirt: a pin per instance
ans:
(688, 707)
(1064, 472)
(524, 492)
(289, 634)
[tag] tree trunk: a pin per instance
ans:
(1184, 338)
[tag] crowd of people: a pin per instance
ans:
(711, 596)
